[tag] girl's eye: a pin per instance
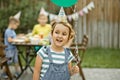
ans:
(64, 34)
(56, 32)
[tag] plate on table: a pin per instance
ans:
(19, 40)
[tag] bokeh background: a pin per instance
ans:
(102, 25)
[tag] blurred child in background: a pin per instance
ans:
(42, 30)
(11, 50)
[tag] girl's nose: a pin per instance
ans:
(60, 35)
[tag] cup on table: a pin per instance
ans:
(41, 35)
(34, 40)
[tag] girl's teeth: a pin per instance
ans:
(59, 40)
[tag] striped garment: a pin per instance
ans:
(58, 58)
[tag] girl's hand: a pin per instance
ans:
(75, 69)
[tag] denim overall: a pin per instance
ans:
(57, 71)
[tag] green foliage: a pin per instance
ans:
(29, 14)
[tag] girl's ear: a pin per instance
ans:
(51, 34)
(72, 35)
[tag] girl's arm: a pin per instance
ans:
(37, 68)
(70, 68)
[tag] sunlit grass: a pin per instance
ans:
(102, 58)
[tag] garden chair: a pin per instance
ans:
(81, 48)
(3, 59)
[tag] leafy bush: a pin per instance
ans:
(29, 14)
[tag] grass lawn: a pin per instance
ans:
(99, 58)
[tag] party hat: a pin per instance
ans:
(17, 16)
(42, 11)
(92, 4)
(85, 10)
(62, 16)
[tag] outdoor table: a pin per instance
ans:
(29, 55)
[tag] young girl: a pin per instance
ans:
(54, 62)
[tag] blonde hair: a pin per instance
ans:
(71, 31)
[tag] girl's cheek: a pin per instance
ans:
(67, 38)
(54, 35)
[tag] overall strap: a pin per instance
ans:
(67, 53)
(49, 54)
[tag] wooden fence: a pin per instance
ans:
(102, 24)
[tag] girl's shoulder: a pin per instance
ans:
(43, 52)
(44, 49)
(67, 51)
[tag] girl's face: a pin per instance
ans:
(60, 35)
